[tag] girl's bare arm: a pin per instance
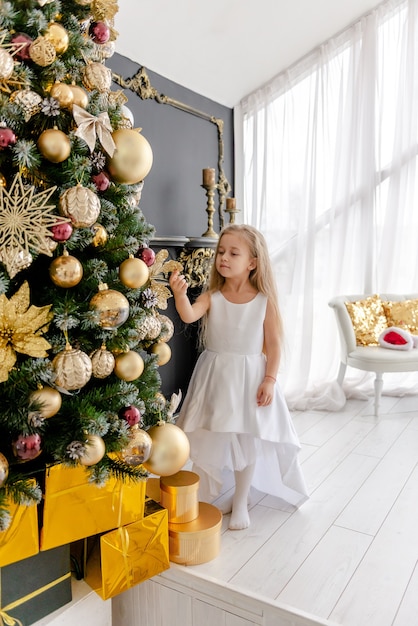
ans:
(187, 311)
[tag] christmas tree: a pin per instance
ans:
(82, 335)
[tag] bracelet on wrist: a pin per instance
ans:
(271, 377)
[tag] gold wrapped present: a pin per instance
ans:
(130, 554)
(21, 539)
(75, 509)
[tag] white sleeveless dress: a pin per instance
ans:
(225, 427)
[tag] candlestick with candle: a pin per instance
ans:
(231, 208)
(209, 183)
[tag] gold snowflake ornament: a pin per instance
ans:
(158, 270)
(21, 327)
(25, 220)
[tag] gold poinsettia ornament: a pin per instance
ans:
(21, 329)
(158, 277)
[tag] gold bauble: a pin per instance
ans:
(6, 64)
(133, 273)
(49, 400)
(129, 365)
(132, 159)
(153, 325)
(28, 100)
(54, 145)
(4, 469)
(3, 181)
(102, 362)
(58, 36)
(73, 369)
(42, 51)
(95, 450)
(63, 93)
(66, 271)
(163, 352)
(80, 96)
(167, 328)
(97, 76)
(170, 449)
(112, 307)
(81, 205)
(100, 236)
(138, 449)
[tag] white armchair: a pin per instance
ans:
(370, 358)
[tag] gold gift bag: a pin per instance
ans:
(21, 539)
(75, 509)
(130, 554)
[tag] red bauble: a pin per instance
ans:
(147, 255)
(99, 32)
(131, 414)
(101, 181)
(23, 54)
(62, 232)
(7, 137)
(27, 447)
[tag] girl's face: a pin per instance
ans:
(233, 259)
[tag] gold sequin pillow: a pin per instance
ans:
(402, 314)
(368, 319)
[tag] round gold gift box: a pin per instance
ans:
(179, 496)
(198, 541)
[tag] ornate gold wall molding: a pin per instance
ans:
(141, 85)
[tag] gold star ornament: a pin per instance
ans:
(21, 329)
(25, 222)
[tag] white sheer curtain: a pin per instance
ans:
(327, 160)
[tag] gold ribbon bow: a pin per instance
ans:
(91, 128)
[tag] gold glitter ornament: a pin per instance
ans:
(153, 327)
(28, 100)
(129, 365)
(58, 36)
(132, 159)
(138, 449)
(4, 469)
(73, 368)
(103, 362)
(170, 449)
(63, 93)
(112, 307)
(54, 145)
(49, 399)
(100, 236)
(66, 271)
(163, 352)
(80, 96)
(133, 273)
(167, 327)
(81, 205)
(97, 76)
(95, 450)
(42, 52)
(6, 64)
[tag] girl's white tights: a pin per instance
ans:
(239, 516)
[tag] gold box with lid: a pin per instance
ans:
(197, 541)
(178, 494)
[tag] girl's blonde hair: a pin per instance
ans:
(261, 277)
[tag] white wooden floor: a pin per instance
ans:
(349, 555)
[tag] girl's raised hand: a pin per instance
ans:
(178, 283)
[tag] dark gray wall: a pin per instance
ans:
(172, 198)
(183, 144)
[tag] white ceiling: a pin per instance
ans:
(225, 49)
